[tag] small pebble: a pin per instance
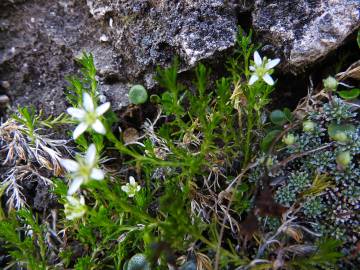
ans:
(104, 38)
(4, 100)
(102, 98)
(5, 84)
(130, 135)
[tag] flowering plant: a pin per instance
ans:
(83, 170)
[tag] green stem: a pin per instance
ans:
(227, 253)
(249, 127)
(138, 157)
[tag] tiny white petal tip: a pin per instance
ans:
(88, 102)
(98, 127)
(80, 129)
(253, 79)
(267, 78)
(257, 59)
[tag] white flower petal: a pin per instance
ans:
(76, 113)
(71, 216)
(88, 102)
(267, 78)
(131, 195)
(90, 156)
(71, 200)
(82, 200)
(253, 79)
(102, 108)
(75, 185)
(252, 68)
(80, 129)
(132, 180)
(272, 63)
(98, 127)
(257, 59)
(70, 165)
(97, 174)
(138, 188)
(125, 188)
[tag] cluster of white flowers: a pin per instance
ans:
(84, 169)
(262, 69)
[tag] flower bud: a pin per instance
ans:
(343, 159)
(74, 208)
(330, 83)
(269, 162)
(289, 139)
(308, 126)
(340, 136)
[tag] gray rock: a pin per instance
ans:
(305, 31)
(39, 40)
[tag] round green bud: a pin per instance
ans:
(269, 162)
(308, 126)
(289, 139)
(340, 136)
(343, 159)
(138, 94)
(330, 83)
(137, 262)
(155, 99)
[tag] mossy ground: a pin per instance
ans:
(209, 179)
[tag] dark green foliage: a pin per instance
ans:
(24, 239)
(326, 255)
(278, 117)
(349, 94)
(186, 167)
(87, 82)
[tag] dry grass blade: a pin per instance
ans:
(25, 157)
(352, 72)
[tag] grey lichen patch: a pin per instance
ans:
(128, 38)
(152, 32)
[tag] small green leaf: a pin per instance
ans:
(268, 139)
(358, 38)
(138, 94)
(288, 114)
(278, 117)
(349, 94)
(243, 187)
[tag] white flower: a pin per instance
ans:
(88, 116)
(131, 188)
(74, 207)
(83, 170)
(262, 69)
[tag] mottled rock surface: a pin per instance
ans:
(39, 40)
(304, 31)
